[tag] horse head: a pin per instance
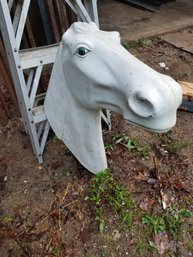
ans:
(93, 71)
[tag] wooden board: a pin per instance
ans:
(181, 39)
(134, 23)
(187, 89)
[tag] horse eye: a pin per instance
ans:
(82, 51)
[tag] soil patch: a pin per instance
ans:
(45, 211)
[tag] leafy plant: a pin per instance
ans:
(117, 138)
(174, 220)
(131, 144)
(109, 146)
(134, 43)
(156, 224)
(173, 145)
(67, 172)
(144, 150)
(54, 252)
(7, 218)
(107, 191)
(143, 246)
(170, 222)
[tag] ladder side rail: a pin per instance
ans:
(91, 7)
(45, 135)
(16, 16)
(10, 4)
(82, 11)
(18, 77)
(30, 80)
(22, 20)
(71, 6)
(35, 84)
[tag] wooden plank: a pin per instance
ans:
(187, 89)
(45, 21)
(61, 16)
(30, 33)
(6, 77)
(69, 14)
(134, 23)
(53, 21)
(4, 104)
(181, 39)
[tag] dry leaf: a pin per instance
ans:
(79, 215)
(141, 176)
(146, 203)
(162, 243)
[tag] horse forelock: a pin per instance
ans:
(78, 28)
(83, 27)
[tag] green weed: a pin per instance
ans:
(54, 252)
(131, 144)
(67, 172)
(156, 224)
(173, 145)
(117, 138)
(174, 220)
(109, 146)
(170, 222)
(7, 218)
(107, 191)
(135, 43)
(143, 246)
(143, 150)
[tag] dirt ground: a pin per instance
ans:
(45, 210)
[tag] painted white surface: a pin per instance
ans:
(93, 71)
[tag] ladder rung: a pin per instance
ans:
(38, 56)
(39, 114)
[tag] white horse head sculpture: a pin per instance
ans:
(93, 71)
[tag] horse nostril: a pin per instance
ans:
(141, 106)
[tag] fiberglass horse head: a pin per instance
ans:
(93, 71)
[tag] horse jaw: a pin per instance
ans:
(79, 128)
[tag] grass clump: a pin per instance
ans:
(135, 43)
(54, 252)
(173, 145)
(67, 172)
(7, 218)
(170, 222)
(105, 190)
(131, 145)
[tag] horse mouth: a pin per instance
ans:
(147, 128)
